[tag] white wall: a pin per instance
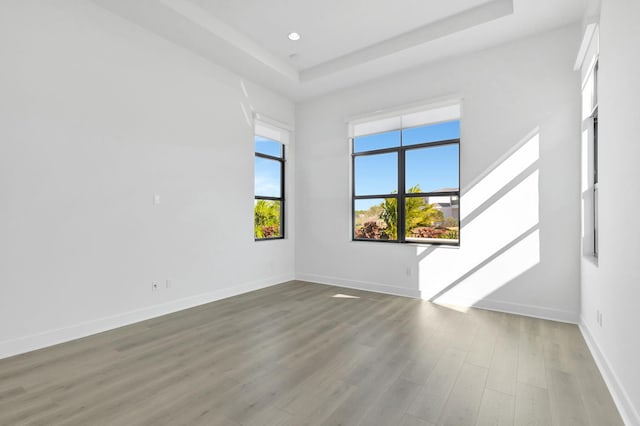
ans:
(97, 116)
(519, 177)
(612, 284)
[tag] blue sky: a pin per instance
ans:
(267, 172)
(267, 146)
(432, 168)
(410, 136)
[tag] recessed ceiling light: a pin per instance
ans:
(294, 36)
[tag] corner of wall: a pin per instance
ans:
(624, 404)
(359, 285)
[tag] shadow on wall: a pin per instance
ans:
(499, 232)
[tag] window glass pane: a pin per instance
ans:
(376, 174)
(376, 219)
(433, 169)
(595, 148)
(267, 177)
(269, 147)
(594, 101)
(429, 218)
(267, 219)
(588, 96)
(431, 133)
(378, 141)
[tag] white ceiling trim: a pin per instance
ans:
(210, 23)
(272, 122)
(203, 19)
(190, 25)
(461, 21)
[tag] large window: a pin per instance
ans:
(406, 183)
(269, 189)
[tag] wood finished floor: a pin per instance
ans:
(296, 354)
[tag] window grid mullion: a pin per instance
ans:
(269, 157)
(353, 190)
(408, 147)
(432, 194)
(282, 177)
(401, 193)
(372, 197)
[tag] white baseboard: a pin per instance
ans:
(625, 406)
(534, 311)
(360, 285)
(53, 337)
(489, 304)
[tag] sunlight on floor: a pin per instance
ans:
(345, 296)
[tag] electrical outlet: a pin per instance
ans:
(600, 319)
(155, 286)
(167, 284)
(408, 271)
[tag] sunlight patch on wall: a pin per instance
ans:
(499, 235)
(501, 175)
(499, 271)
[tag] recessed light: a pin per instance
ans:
(294, 36)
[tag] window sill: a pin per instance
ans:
(433, 243)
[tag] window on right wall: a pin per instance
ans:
(590, 126)
(588, 64)
(594, 118)
(405, 176)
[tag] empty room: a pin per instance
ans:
(286, 213)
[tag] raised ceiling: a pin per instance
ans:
(343, 42)
(329, 28)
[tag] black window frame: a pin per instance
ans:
(281, 198)
(401, 195)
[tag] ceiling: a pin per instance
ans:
(343, 42)
(330, 28)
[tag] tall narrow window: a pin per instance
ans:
(594, 117)
(406, 178)
(268, 214)
(587, 62)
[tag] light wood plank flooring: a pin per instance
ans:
(301, 353)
